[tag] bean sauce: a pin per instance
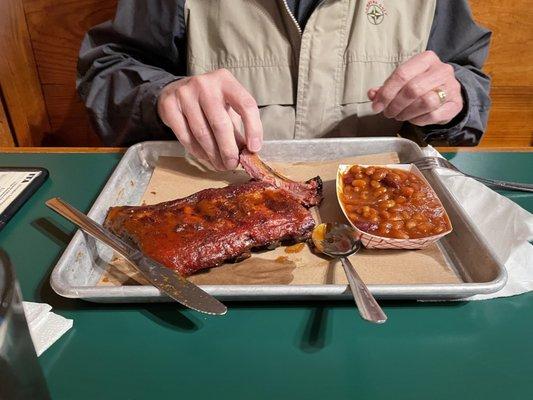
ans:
(392, 203)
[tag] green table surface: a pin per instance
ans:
(319, 350)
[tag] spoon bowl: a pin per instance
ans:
(335, 239)
(339, 241)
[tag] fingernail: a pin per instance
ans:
(377, 107)
(231, 163)
(255, 145)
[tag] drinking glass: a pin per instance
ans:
(20, 374)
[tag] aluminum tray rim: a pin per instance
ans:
(275, 292)
(292, 292)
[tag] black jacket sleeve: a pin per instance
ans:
(459, 41)
(123, 64)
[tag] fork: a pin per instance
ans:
(426, 163)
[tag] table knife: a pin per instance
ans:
(163, 278)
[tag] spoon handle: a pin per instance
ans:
(366, 303)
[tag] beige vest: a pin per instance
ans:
(312, 83)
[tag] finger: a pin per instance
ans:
(172, 116)
(222, 128)
(425, 104)
(238, 127)
(401, 75)
(372, 92)
(417, 87)
(441, 115)
(201, 130)
(431, 101)
(188, 141)
(244, 104)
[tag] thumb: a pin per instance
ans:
(372, 92)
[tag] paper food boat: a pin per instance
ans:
(371, 241)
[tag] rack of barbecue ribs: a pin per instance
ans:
(214, 226)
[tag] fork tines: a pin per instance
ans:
(427, 163)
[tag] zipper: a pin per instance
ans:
(297, 56)
(292, 17)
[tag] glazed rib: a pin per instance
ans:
(214, 225)
(308, 193)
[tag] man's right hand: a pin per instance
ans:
(206, 113)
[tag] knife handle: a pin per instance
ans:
(92, 228)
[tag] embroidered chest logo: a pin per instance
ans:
(375, 12)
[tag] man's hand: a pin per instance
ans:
(206, 113)
(410, 93)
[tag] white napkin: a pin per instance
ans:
(45, 326)
(507, 228)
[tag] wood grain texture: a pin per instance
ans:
(510, 64)
(511, 117)
(57, 27)
(68, 118)
(19, 79)
(6, 136)
(510, 61)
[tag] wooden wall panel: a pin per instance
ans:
(510, 64)
(19, 80)
(6, 136)
(510, 61)
(57, 27)
(68, 118)
(511, 117)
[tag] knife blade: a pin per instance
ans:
(163, 278)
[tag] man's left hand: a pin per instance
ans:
(411, 93)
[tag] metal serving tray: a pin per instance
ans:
(84, 260)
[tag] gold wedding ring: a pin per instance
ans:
(442, 95)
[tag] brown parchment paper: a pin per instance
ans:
(294, 265)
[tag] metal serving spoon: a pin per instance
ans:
(339, 241)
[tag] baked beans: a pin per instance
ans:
(392, 203)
